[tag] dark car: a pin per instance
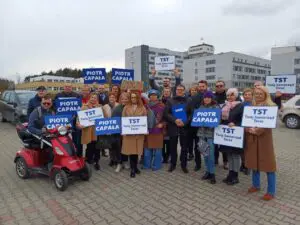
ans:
(13, 105)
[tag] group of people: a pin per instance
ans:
(165, 128)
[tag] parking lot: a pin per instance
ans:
(152, 197)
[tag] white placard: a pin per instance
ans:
(283, 83)
(87, 117)
(164, 63)
(134, 125)
(260, 116)
(229, 136)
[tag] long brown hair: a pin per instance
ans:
(138, 98)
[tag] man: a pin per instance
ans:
(67, 92)
(177, 116)
(103, 96)
(36, 100)
(277, 99)
(258, 83)
(166, 81)
(220, 97)
(36, 119)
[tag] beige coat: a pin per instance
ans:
(133, 144)
(259, 151)
(89, 133)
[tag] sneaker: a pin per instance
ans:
(185, 170)
(119, 167)
(235, 179)
(267, 197)
(132, 173)
(212, 179)
(253, 190)
(206, 176)
(228, 178)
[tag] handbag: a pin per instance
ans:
(104, 142)
(203, 147)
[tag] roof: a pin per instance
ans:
(202, 45)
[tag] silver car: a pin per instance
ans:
(290, 114)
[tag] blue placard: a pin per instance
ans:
(68, 105)
(118, 75)
(108, 126)
(206, 117)
(54, 121)
(178, 111)
(94, 75)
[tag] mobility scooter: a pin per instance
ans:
(35, 156)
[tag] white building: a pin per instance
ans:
(49, 78)
(286, 60)
(235, 69)
(141, 59)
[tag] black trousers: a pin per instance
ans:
(115, 151)
(193, 140)
(166, 150)
(183, 154)
(217, 153)
(133, 161)
(76, 137)
(92, 154)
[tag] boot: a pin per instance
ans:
(206, 176)
(171, 168)
(235, 179)
(119, 167)
(132, 173)
(212, 178)
(97, 166)
(228, 178)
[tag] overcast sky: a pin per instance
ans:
(40, 35)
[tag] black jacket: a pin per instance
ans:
(67, 95)
(32, 104)
(220, 97)
(103, 99)
(236, 114)
(173, 130)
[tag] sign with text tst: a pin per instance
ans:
(164, 63)
(118, 75)
(260, 116)
(286, 84)
(134, 125)
(94, 75)
(229, 136)
(87, 117)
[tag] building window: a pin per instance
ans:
(237, 68)
(162, 54)
(177, 56)
(49, 80)
(209, 62)
(153, 53)
(179, 61)
(196, 64)
(55, 81)
(297, 71)
(210, 70)
(196, 78)
(213, 77)
(297, 61)
(196, 71)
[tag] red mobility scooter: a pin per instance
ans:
(34, 157)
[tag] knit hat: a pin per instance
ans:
(208, 94)
(153, 92)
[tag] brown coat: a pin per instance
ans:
(259, 151)
(88, 134)
(154, 141)
(133, 144)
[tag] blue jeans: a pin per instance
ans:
(271, 181)
(152, 158)
(209, 160)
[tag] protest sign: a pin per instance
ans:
(164, 63)
(94, 75)
(118, 75)
(178, 111)
(87, 117)
(229, 136)
(54, 121)
(284, 83)
(206, 118)
(134, 125)
(132, 85)
(67, 105)
(108, 126)
(260, 116)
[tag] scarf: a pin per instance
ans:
(227, 107)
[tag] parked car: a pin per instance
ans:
(13, 105)
(290, 114)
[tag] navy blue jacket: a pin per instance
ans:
(32, 104)
(36, 122)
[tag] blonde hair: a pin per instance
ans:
(268, 100)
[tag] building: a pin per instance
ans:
(235, 69)
(286, 60)
(141, 59)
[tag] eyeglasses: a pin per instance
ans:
(46, 103)
(219, 86)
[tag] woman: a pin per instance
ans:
(116, 90)
(233, 154)
(235, 119)
(193, 91)
(207, 134)
(166, 145)
(154, 141)
(133, 144)
(88, 136)
(259, 152)
(116, 155)
(112, 100)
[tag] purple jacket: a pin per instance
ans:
(158, 110)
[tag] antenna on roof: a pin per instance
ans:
(202, 39)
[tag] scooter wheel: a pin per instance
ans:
(60, 180)
(86, 172)
(22, 168)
